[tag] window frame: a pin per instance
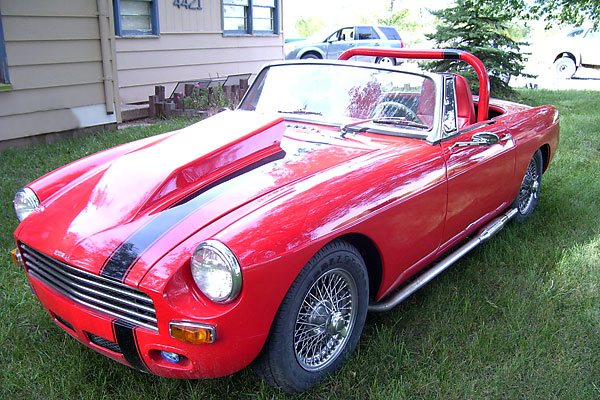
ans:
(249, 20)
(449, 111)
(4, 77)
(155, 28)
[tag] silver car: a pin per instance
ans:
(578, 49)
(332, 45)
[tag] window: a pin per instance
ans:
(592, 34)
(347, 34)
(390, 33)
(3, 62)
(449, 118)
(575, 32)
(342, 34)
(250, 16)
(366, 33)
(136, 17)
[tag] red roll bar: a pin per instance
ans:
(448, 54)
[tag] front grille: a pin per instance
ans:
(107, 344)
(97, 292)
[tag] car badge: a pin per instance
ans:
(59, 253)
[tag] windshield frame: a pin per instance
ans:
(431, 135)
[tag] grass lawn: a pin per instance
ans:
(518, 318)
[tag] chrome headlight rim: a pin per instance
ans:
(232, 264)
(25, 203)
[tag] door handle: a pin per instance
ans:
(506, 137)
(479, 139)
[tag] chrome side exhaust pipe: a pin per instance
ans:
(485, 234)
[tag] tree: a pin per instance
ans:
(568, 11)
(559, 11)
(484, 32)
(400, 19)
(309, 26)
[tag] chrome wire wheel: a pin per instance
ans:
(326, 317)
(530, 188)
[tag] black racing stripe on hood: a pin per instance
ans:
(120, 262)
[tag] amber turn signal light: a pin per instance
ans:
(16, 257)
(191, 332)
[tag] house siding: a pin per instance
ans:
(54, 59)
(68, 70)
(191, 45)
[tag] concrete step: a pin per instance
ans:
(131, 112)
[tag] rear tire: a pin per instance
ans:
(565, 67)
(529, 191)
(319, 321)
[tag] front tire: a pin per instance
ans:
(387, 61)
(529, 191)
(319, 321)
(310, 56)
(564, 67)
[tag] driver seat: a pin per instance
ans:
(465, 109)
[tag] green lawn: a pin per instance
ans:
(518, 318)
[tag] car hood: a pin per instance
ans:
(108, 219)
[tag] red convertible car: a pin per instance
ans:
(264, 235)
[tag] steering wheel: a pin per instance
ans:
(393, 109)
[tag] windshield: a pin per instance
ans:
(337, 92)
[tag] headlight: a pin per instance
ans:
(25, 203)
(216, 271)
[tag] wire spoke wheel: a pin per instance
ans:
(529, 188)
(326, 315)
(529, 191)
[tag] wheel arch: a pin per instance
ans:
(568, 54)
(545, 149)
(311, 50)
(371, 256)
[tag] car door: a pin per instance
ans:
(479, 176)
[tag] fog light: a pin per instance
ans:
(170, 357)
(193, 333)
